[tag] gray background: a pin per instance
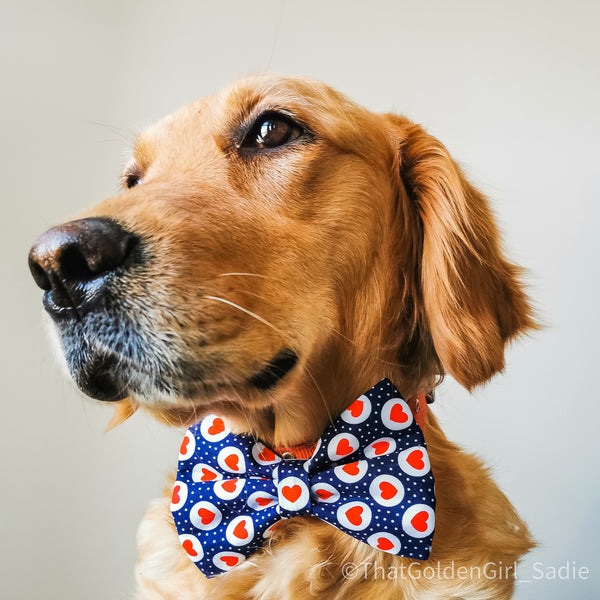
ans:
(512, 88)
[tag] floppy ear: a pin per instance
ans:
(123, 410)
(472, 301)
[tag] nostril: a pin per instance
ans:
(74, 266)
(39, 275)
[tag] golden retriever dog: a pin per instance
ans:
(275, 251)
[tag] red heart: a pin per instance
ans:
(184, 445)
(229, 485)
(351, 468)
(206, 516)
(264, 501)
(380, 447)
(356, 408)
(240, 530)
(354, 515)
(291, 493)
(266, 455)
(344, 447)
(387, 490)
(419, 521)
(188, 546)
(207, 475)
(232, 462)
(397, 414)
(324, 494)
(415, 460)
(218, 426)
(175, 499)
(384, 544)
(230, 561)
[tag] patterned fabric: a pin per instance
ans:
(369, 476)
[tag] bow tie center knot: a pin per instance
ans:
(293, 488)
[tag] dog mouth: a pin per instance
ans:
(275, 370)
(109, 359)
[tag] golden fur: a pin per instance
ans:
(369, 254)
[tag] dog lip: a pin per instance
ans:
(66, 308)
(277, 368)
(57, 311)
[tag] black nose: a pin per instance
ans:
(72, 262)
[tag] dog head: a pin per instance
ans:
(275, 250)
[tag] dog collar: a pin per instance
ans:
(417, 404)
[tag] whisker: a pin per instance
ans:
(243, 274)
(320, 394)
(248, 312)
(341, 335)
(248, 293)
(391, 363)
(123, 134)
(251, 430)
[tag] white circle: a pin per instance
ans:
(396, 414)
(180, 490)
(317, 447)
(228, 489)
(188, 445)
(238, 534)
(358, 411)
(192, 545)
(232, 460)
(342, 445)
(386, 490)
(293, 493)
(420, 461)
(205, 515)
(351, 472)
(269, 532)
(328, 493)
(204, 472)
(379, 448)
(213, 428)
(261, 500)
(264, 455)
(227, 560)
(357, 521)
(386, 542)
(415, 529)
(308, 463)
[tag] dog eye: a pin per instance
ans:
(132, 180)
(271, 131)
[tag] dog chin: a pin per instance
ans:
(100, 377)
(100, 385)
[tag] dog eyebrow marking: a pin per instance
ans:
(277, 368)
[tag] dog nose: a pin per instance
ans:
(72, 261)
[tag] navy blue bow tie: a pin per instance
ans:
(369, 476)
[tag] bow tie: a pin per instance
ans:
(369, 476)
